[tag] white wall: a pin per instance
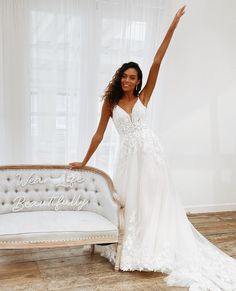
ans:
(195, 106)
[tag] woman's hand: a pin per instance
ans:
(154, 70)
(178, 15)
(77, 165)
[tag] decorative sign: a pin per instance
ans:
(66, 180)
(57, 202)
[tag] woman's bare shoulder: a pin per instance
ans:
(106, 108)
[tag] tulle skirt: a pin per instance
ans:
(158, 235)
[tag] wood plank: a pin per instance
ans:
(73, 268)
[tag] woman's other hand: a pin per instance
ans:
(76, 165)
(178, 15)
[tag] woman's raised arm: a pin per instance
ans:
(154, 70)
(97, 137)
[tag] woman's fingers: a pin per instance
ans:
(76, 165)
(178, 15)
(73, 165)
(181, 11)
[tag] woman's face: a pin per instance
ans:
(129, 80)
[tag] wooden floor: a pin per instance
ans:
(75, 269)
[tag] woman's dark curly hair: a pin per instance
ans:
(114, 92)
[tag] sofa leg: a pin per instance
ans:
(92, 248)
(118, 255)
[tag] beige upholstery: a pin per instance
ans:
(54, 206)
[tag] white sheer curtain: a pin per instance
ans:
(57, 58)
(15, 99)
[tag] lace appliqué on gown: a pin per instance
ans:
(136, 256)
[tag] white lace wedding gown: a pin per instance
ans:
(158, 235)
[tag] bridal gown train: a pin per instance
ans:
(158, 235)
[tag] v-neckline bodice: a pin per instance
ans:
(129, 113)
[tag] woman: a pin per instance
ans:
(158, 235)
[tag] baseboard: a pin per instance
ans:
(210, 208)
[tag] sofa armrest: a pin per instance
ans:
(119, 200)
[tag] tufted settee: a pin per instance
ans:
(43, 206)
